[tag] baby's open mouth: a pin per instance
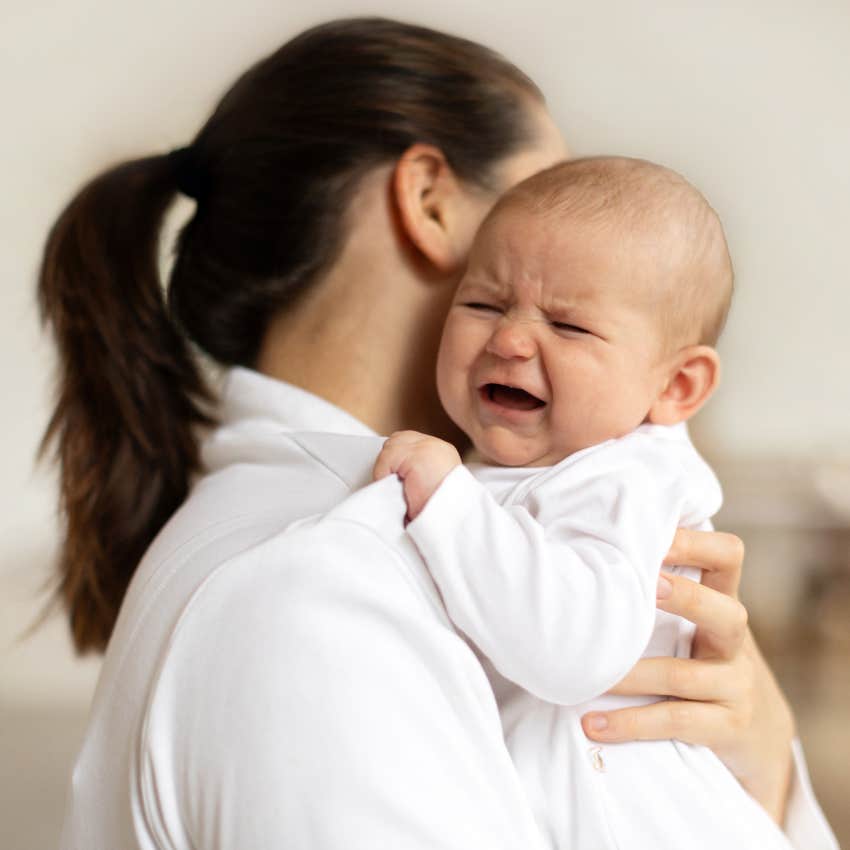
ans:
(513, 398)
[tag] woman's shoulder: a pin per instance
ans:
(262, 654)
(257, 587)
(354, 554)
(233, 543)
(299, 635)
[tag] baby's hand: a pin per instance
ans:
(420, 461)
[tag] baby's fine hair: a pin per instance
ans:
(660, 212)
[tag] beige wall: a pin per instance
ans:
(749, 99)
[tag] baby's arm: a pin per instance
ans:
(562, 602)
(565, 613)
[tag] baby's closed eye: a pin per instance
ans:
(482, 306)
(568, 326)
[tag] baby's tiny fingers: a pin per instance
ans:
(405, 438)
(381, 469)
(389, 460)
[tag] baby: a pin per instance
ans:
(579, 342)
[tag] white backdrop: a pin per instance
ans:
(750, 99)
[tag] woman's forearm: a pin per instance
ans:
(765, 768)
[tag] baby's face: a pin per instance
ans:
(553, 342)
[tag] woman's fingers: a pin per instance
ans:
(720, 619)
(693, 722)
(685, 678)
(720, 555)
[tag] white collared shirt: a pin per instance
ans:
(299, 686)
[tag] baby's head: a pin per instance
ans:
(594, 295)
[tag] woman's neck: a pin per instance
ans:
(365, 337)
(356, 364)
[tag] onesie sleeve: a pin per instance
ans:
(559, 591)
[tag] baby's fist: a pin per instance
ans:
(420, 461)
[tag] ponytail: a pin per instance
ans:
(273, 170)
(129, 394)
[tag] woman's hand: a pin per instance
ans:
(726, 696)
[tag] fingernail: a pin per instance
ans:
(597, 723)
(664, 589)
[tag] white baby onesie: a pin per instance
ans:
(551, 573)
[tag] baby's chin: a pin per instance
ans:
(508, 450)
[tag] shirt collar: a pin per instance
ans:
(247, 394)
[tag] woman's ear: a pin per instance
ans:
(693, 376)
(433, 207)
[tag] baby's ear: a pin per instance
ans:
(693, 375)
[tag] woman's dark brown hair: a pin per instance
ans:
(272, 172)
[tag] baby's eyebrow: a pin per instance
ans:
(576, 312)
(559, 304)
(483, 282)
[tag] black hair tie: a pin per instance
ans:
(186, 172)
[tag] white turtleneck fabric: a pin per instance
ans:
(283, 672)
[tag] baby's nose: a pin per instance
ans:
(513, 338)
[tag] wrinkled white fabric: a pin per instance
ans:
(300, 687)
(552, 574)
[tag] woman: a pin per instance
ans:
(305, 688)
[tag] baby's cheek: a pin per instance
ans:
(450, 380)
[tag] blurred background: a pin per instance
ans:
(751, 100)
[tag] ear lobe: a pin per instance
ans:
(425, 188)
(693, 377)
